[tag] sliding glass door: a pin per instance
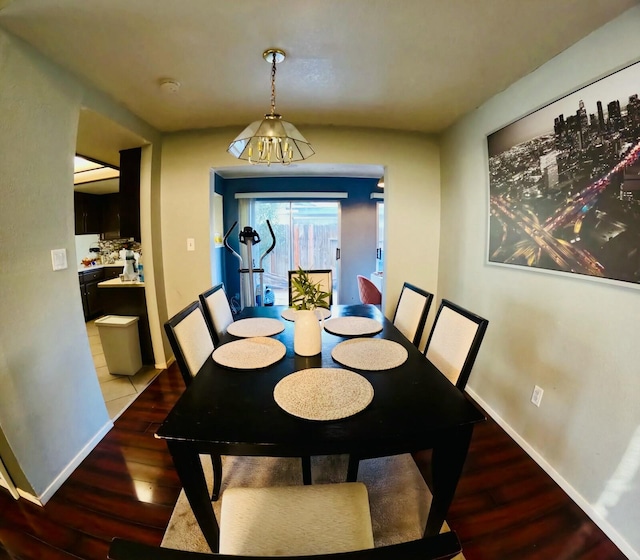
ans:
(307, 236)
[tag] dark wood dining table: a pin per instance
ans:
(233, 412)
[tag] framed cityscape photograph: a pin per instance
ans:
(564, 184)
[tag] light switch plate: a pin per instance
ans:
(59, 259)
(536, 397)
(191, 244)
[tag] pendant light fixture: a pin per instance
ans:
(271, 140)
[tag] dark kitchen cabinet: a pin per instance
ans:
(93, 299)
(130, 193)
(88, 213)
(97, 214)
(111, 272)
(89, 293)
(110, 204)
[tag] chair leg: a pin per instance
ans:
(306, 469)
(352, 469)
(216, 463)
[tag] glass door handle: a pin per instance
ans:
(337, 253)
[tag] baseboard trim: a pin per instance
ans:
(165, 365)
(72, 466)
(580, 501)
(29, 497)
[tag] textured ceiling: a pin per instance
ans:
(402, 64)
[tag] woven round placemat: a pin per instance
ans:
(373, 354)
(249, 353)
(352, 326)
(323, 393)
(290, 314)
(255, 326)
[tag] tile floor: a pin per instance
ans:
(119, 391)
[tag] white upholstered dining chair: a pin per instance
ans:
(454, 342)
(217, 310)
(190, 340)
(323, 522)
(192, 345)
(411, 312)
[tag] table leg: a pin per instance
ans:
(446, 466)
(352, 469)
(189, 468)
(306, 469)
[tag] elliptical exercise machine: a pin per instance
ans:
(250, 237)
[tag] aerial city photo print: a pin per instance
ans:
(564, 183)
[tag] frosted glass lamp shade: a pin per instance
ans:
(271, 140)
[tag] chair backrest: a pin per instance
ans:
(369, 292)
(454, 342)
(325, 277)
(190, 340)
(439, 547)
(217, 310)
(411, 312)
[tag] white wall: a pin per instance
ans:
(52, 411)
(83, 244)
(412, 204)
(50, 401)
(576, 338)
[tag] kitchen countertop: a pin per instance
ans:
(117, 283)
(83, 268)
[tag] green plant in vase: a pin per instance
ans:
(306, 294)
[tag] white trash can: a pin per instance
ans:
(120, 343)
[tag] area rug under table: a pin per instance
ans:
(398, 496)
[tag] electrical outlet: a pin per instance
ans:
(536, 397)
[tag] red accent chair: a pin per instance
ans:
(369, 293)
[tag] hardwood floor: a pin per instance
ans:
(506, 507)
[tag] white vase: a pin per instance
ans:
(307, 335)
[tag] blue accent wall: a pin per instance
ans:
(357, 228)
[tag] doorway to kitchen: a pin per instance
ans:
(307, 235)
(106, 215)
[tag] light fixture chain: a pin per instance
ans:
(273, 84)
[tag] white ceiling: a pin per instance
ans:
(398, 64)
